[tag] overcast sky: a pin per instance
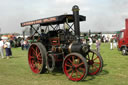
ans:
(102, 15)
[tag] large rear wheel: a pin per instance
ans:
(95, 62)
(37, 58)
(75, 67)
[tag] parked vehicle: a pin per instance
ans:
(122, 37)
(61, 46)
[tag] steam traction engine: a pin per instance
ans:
(60, 46)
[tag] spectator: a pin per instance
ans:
(111, 43)
(22, 43)
(107, 39)
(26, 44)
(103, 39)
(1, 49)
(90, 42)
(114, 43)
(11, 42)
(7, 47)
(98, 45)
(29, 41)
(18, 42)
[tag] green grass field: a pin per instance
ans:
(16, 71)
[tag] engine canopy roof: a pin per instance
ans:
(53, 20)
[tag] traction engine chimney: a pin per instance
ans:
(75, 10)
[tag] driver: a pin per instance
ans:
(42, 33)
(43, 36)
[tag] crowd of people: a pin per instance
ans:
(25, 44)
(5, 44)
(113, 43)
(98, 40)
(89, 41)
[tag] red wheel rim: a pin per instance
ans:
(94, 63)
(74, 68)
(35, 59)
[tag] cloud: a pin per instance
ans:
(102, 15)
(70, 1)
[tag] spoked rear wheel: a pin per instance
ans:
(95, 62)
(37, 58)
(75, 67)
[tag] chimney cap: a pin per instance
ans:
(75, 8)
